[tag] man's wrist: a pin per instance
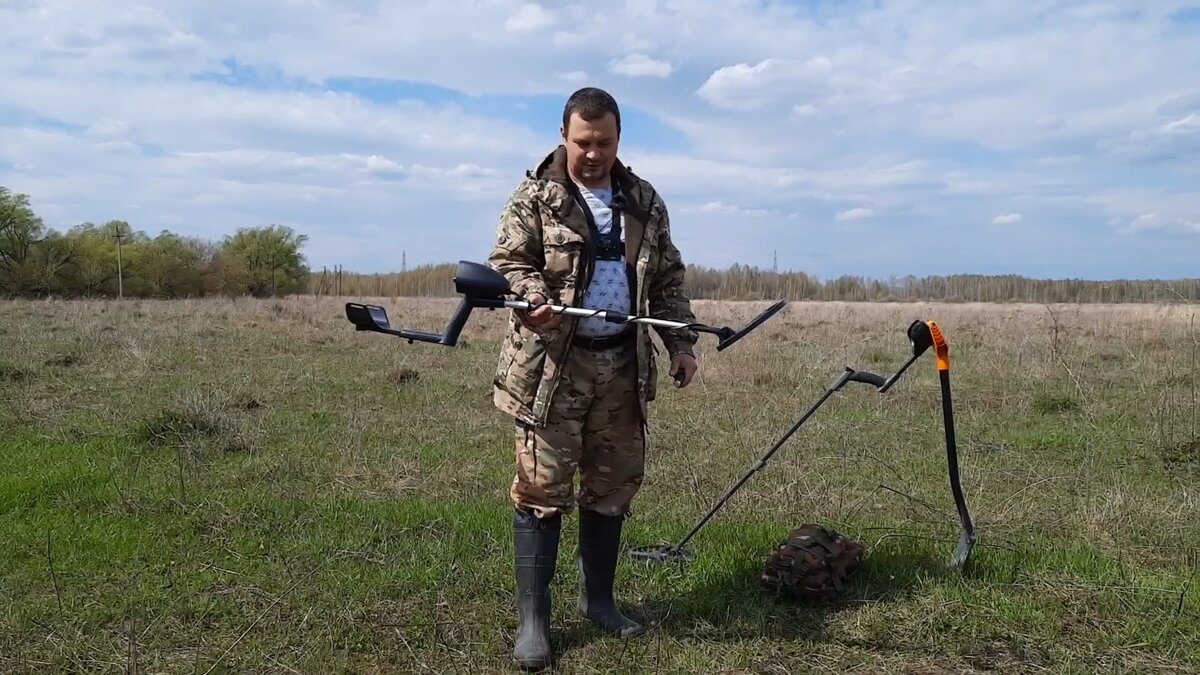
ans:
(682, 348)
(530, 288)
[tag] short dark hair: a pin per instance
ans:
(591, 104)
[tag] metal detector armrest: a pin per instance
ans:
(866, 378)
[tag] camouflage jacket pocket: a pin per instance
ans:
(522, 363)
(564, 250)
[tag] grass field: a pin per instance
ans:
(251, 486)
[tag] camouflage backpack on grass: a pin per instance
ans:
(813, 563)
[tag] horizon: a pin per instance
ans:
(1053, 141)
(819, 279)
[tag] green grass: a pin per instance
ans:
(234, 487)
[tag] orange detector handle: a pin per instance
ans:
(940, 348)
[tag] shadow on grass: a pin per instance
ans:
(727, 603)
(732, 604)
(722, 600)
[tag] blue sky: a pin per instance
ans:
(1046, 138)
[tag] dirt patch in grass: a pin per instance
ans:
(248, 402)
(199, 423)
(405, 376)
(175, 427)
(62, 360)
(11, 373)
(1185, 454)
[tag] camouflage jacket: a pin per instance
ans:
(543, 246)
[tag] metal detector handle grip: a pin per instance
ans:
(457, 322)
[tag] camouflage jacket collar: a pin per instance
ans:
(553, 168)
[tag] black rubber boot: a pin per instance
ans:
(535, 553)
(599, 545)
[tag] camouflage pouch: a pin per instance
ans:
(813, 563)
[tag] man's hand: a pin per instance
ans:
(542, 317)
(683, 366)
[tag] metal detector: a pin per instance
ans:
(483, 287)
(922, 335)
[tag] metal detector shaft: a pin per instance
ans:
(847, 376)
(727, 335)
(896, 375)
(611, 317)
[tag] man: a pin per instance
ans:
(582, 230)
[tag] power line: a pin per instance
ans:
(120, 276)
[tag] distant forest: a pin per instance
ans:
(740, 282)
(113, 259)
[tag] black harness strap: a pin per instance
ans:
(607, 246)
(604, 246)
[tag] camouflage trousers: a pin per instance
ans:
(594, 429)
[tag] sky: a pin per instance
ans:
(879, 139)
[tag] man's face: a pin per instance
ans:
(591, 148)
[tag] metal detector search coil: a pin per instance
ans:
(483, 287)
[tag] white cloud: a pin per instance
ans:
(1146, 221)
(858, 213)
(206, 115)
(747, 87)
(528, 19)
(639, 65)
(1185, 125)
(1007, 219)
(1175, 139)
(574, 76)
(726, 209)
(1164, 210)
(1150, 222)
(691, 175)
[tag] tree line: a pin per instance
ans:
(112, 259)
(741, 282)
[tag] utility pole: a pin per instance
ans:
(775, 262)
(120, 276)
(403, 261)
